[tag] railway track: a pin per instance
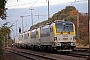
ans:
(35, 55)
(78, 54)
(82, 49)
(32, 56)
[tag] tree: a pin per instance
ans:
(83, 28)
(72, 15)
(71, 18)
(64, 13)
(73, 12)
(4, 34)
(3, 9)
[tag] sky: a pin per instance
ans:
(28, 3)
(17, 8)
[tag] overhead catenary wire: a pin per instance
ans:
(40, 18)
(26, 11)
(40, 7)
(30, 7)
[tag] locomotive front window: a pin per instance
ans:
(70, 27)
(60, 27)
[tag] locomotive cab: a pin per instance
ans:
(64, 33)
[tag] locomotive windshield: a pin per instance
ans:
(64, 27)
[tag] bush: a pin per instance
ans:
(85, 42)
(1, 50)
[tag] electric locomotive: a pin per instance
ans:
(59, 35)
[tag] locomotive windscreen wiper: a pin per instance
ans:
(68, 29)
(65, 28)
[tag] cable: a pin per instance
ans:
(26, 11)
(41, 7)
(40, 18)
(30, 7)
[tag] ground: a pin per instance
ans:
(12, 56)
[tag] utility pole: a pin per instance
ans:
(48, 11)
(32, 16)
(16, 27)
(22, 23)
(3, 41)
(78, 25)
(89, 34)
(7, 40)
(89, 28)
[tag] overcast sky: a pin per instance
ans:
(27, 3)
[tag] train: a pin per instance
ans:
(58, 35)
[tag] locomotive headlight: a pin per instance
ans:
(58, 43)
(73, 44)
(55, 38)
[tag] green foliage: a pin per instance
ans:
(3, 9)
(4, 31)
(1, 50)
(1, 45)
(83, 28)
(71, 18)
(63, 13)
(85, 42)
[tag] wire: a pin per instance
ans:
(40, 7)
(26, 10)
(30, 7)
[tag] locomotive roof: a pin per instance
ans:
(65, 22)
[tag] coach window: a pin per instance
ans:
(33, 35)
(41, 32)
(36, 32)
(25, 36)
(51, 29)
(28, 34)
